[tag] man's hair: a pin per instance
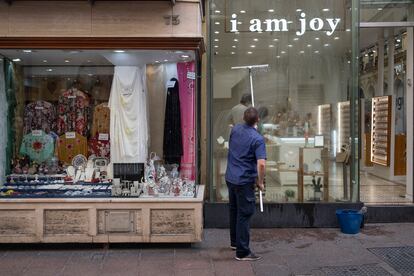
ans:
(251, 116)
(246, 99)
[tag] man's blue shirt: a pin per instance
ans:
(246, 146)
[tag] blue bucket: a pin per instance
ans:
(349, 220)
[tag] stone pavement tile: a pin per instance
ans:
(185, 264)
(157, 254)
(191, 253)
(194, 272)
(48, 263)
(270, 270)
(233, 268)
(120, 263)
(221, 254)
(84, 263)
(15, 262)
(156, 268)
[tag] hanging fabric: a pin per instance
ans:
(186, 75)
(11, 105)
(39, 115)
(129, 118)
(173, 144)
(3, 123)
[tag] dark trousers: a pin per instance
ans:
(242, 206)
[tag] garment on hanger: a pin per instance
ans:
(129, 118)
(99, 147)
(101, 117)
(73, 112)
(38, 146)
(186, 75)
(173, 144)
(71, 144)
(39, 115)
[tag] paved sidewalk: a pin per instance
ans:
(284, 251)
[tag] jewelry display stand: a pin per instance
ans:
(381, 130)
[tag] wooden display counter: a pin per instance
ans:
(106, 220)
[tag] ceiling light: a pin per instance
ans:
(277, 56)
(233, 53)
(283, 52)
(325, 10)
(326, 45)
(302, 52)
(271, 10)
(316, 52)
(255, 39)
(239, 22)
(349, 61)
(290, 45)
(119, 51)
(46, 61)
(27, 51)
(316, 38)
(242, 11)
(348, 30)
(366, 55)
(271, 46)
(298, 10)
(217, 23)
(216, 39)
(296, 39)
(249, 53)
(216, 32)
(309, 45)
(165, 60)
(216, 46)
(157, 61)
(16, 59)
(275, 39)
(90, 75)
(380, 9)
(217, 11)
(235, 40)
(336, 37)
(67, 61)
(185, 56)
(398, 40)
(252, 46)
(290, 22)
(374, 51)
(234, 46)
(89, 61)
(49, 70)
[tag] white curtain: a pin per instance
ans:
(3, 123)
(129, 131)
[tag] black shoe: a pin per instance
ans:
(232, 247)
(250, 257)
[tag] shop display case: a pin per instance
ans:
(344, 130)
(381, 130)
(325, 122)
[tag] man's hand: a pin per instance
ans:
(261, 186)
(261, 169)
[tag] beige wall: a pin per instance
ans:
(102, 19)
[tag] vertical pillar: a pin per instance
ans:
(410, 110)
(380, 80)
(390, 91)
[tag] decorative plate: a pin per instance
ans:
(79, 161)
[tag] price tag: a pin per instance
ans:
(70, 135)
(37, 132)
(71, 97)
(126, 92)
(39, 107)
(103, 137)
(191, 75)
(171, 84)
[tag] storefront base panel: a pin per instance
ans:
(390, 213)
(162, 220)
(281, 215)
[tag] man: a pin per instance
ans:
(245, 170)
(236, 113)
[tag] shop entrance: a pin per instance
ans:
(386, 117)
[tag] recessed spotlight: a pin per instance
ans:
(309, 45)
(217, 11)
(316, 52)
(90, 75)
(277, 56)
(326, 45)
(349, 61)
(374, 51)
(283, 52)
(275, 39)
(165, 60)
(239, 22)
(49, 70)
(119, 51)
(216, 40)
(348, 30)
(216, 32)
(16, 59)
(249, 53)
(290, 22)
(301, 52)
(89, 61)
(185, 56)
(271, 10)
(216, 46)
(398, 40)
(157, 61)
(67, 61)
(296, 39)
(27, 51)
(242, 11)
(290, 45)
(336, 37)
(255, 39)
(366, 55)
(252, 46)
(317, 38)
(380, 9)
(325, 10)
(233, 53)
(217, 23)
(235, 40)
(45, 60)
(234, 46)
(298, 10)
(271, 46)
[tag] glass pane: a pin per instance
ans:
(295, 58)
(385, 11)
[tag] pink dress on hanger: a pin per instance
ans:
(187, 103)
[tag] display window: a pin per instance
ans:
(97, 123)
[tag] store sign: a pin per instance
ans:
(282, 25)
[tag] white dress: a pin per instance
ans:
(129, 117)
(3, 124)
